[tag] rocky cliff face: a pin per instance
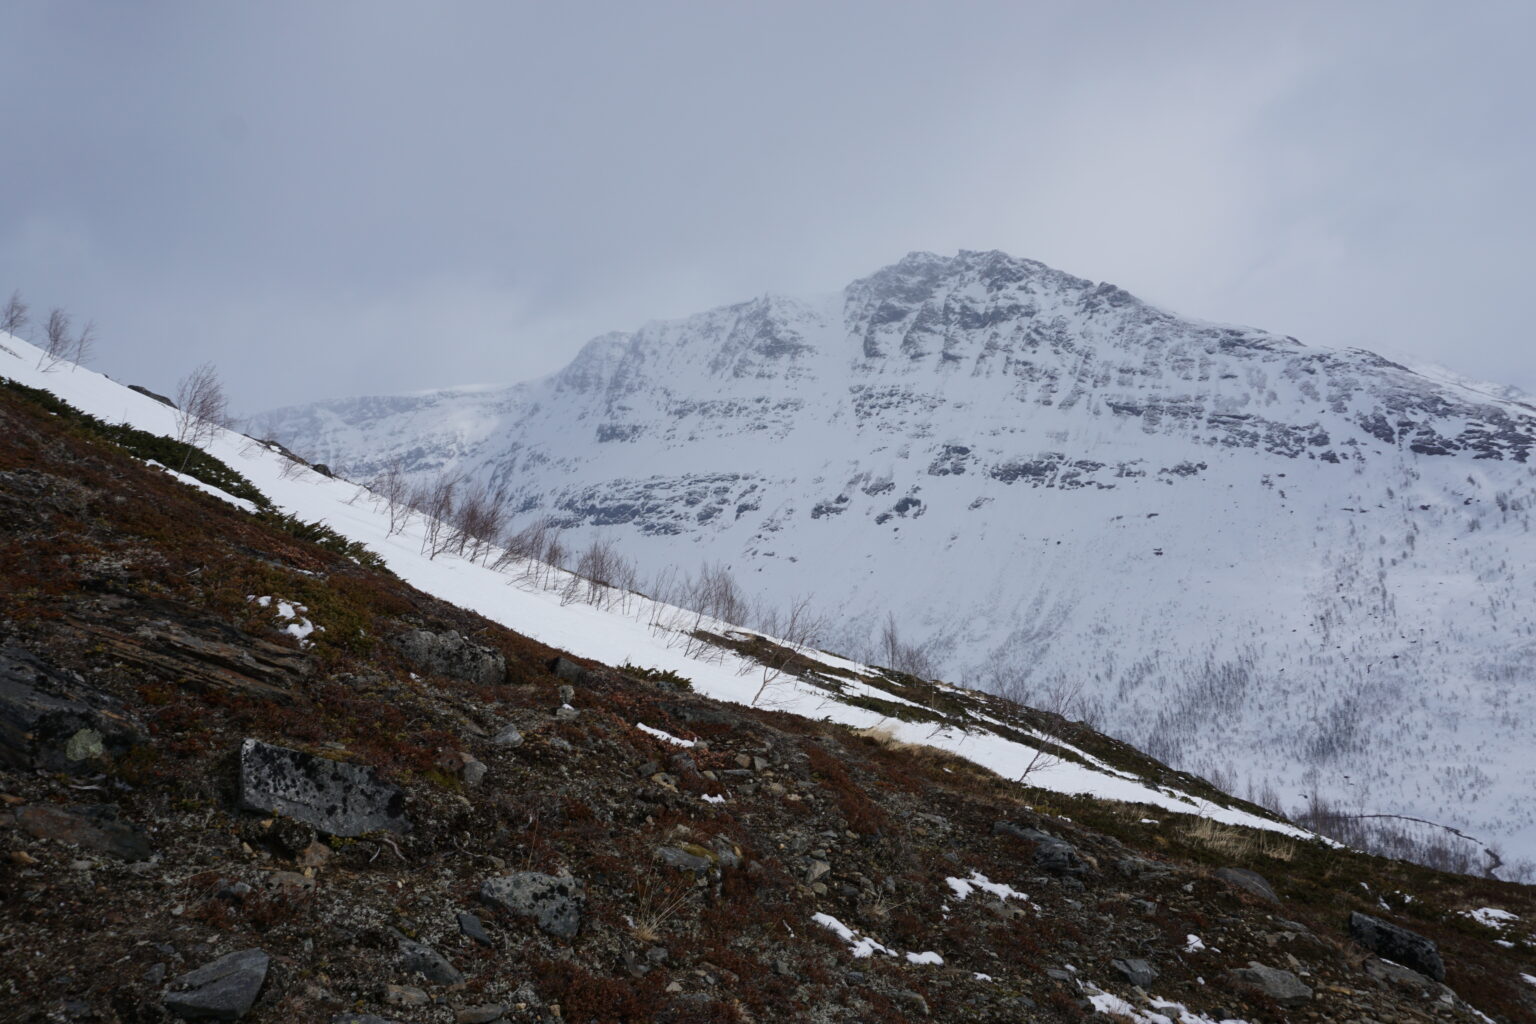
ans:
(249, 776)
(1230, 547)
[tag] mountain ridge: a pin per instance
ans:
(1191, 529)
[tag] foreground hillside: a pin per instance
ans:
(249, 773)
(1216, 541)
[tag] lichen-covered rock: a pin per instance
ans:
(223, 989)
(1391, 942)
(338, 798)
(554, 903)
(449, 654)
(47, 718)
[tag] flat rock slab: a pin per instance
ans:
(224, 989)
(92, 827)
(1248, 881)
(1281, 986)
(338, 798)
(1391, 942)
(554, 903)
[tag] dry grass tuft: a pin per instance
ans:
(1240, 843)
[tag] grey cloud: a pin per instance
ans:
(364, 197)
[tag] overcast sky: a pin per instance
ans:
(345, 198)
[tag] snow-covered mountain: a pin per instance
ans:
(1296, 569)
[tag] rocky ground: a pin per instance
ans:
(413, 815)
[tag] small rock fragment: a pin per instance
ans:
(471, 928)
(419, 958)
(405, 995)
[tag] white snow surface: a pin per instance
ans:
(662, 735)
(1492, 917)
(1296, 570)
(1176, 1013)
(632, 630)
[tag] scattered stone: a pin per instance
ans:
(1248, 881)
(1281, 986)
(554, 903)
(360, 1018)
(688, 857)
(224, 989)
(338, 798)
(474, 772)
(449, 654)
(419, 958)
(1064, 976)
(289, 883)
(155, 973)
(315, 855)
(1400, 945)
(1137, 972)
(405, 995)
(471, 928)
(92, 826)
(84, 745)
(509, 736)
(292, 837)
(480, 1014)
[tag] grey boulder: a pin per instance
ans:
(1390, 942)
(1137, 972)
(449, 654)
(223, 989)
(1051, 854)
(338, 798)
(1248, 881)
(554, 903)
(1281, 986)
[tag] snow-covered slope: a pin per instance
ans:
(1297, 570)
(622, 627)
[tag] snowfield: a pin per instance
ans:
(632, 629)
